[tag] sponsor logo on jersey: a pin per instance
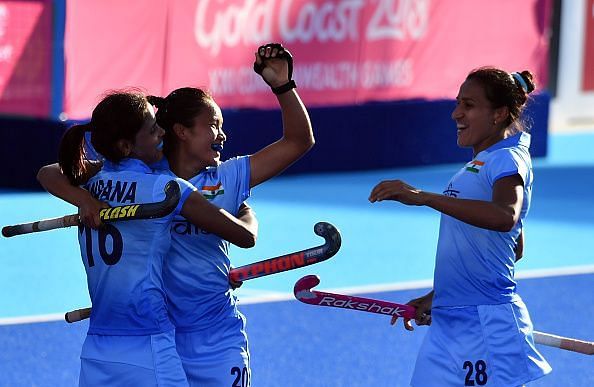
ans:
(184, 227)
(474, 166)
(212, 191)
(451, 192)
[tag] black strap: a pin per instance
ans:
(284, 88)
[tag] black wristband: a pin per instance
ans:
(284, 88)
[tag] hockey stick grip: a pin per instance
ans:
(40, 225)
(566, 343)
(77, 315)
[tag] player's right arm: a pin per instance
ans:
(200, 212)
(501, 213)
(55, 182)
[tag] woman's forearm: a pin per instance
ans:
(478, 213)
(55, 182)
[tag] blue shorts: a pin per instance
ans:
(148, 360)
(480, 345)
(216, 356)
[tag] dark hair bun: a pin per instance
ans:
(528, 79)
(159, 102)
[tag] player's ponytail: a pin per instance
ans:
(164, 120)
(119, 116)
(72, 154)
(161, 104)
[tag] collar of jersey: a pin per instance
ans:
(128, 164)
(161, 165)
(518, 139)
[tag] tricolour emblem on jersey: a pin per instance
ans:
(474, 166)
(211, 191)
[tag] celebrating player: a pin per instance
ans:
(130, 340)
(480, 328)
(210, 331)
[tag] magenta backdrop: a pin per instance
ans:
(346, 52)
(25, 57)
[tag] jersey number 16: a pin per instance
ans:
(105, 233)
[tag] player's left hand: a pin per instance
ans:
(274, 63)
(423, 312)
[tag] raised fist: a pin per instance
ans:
(275, 64)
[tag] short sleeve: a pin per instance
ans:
(508, 162)
(237, 172)
(185, 187)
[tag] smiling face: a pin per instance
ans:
(206, 137)
(148, 142)
(476, 119)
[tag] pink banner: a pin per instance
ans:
(588, 70)
(25, 57)
(353, 51)
(346, 52)
(112, 44)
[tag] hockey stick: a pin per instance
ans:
(566, 343)
(292, 260)
(303, 293)
(268, 266)
(77, 315)
(118, 213)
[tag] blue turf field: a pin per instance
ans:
(388, 250)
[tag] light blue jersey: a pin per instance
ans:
(481, 333)
(210, 331)
(475, 266)
(196, 273)
(124, 260)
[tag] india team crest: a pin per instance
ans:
(212, 191)
(474, 166)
